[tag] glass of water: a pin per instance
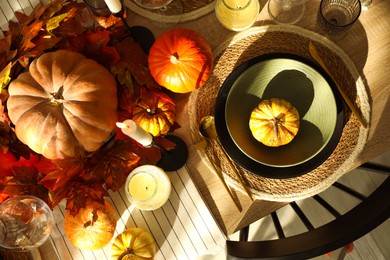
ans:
(336, 16)
(25, 223)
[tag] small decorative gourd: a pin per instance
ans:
(155, 112)
(274, 122)
(92, 227)
(133, 243)
(180, 60)
(64, 105)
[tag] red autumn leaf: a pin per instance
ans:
(6, 159)
(25, 180)
(113, 165)
(59, 173)
(81, 194)
(98, 48)
(133, 60)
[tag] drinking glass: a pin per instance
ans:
(98, 8)
(168, 8)
(237, 15)
(336, 16)
(286, 11)
(25, 223)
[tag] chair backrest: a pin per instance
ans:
(344, 229)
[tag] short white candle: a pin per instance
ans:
(148, 187)
(115, 6)
(132, 130)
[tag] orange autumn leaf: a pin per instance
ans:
(28, 33)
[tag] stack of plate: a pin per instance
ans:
(307, 87)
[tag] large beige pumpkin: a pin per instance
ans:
(64, 105)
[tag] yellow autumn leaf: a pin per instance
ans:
(4, 76)
(54, 22)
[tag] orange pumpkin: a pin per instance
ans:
(274, 122)
(155, 112)
(92, 227)
(64, 105)
(180, 60)
(133, 243)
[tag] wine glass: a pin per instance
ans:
(25, 223)
(162, 11)
(286, 11)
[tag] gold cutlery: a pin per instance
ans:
(207, 130)
(314, 53)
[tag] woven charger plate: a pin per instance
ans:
(286, 39)
(178, 11)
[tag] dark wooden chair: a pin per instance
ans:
(345, 228)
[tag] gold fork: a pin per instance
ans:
(201, 144)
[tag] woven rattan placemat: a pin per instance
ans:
(178, 11)
(287, 39)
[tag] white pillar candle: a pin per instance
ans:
(148, 187)
(237, 15)
(115, 6)
(132, 130)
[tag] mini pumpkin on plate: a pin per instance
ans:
(274, 122)
(64, 105)
(133, 243)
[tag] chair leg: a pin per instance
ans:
(244, 233)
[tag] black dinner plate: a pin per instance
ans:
(253, 166)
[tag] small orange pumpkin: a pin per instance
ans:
(180, 60)
(274, 122)
(92, 227)
(155, 112)
(64, 105)
(133, 243)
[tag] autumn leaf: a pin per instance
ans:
(133, 60)
(59, 173)
(43, 43)
(6, 159)
(4, 80)
(28, 33)
(6, 54)
(81, 194)
(113, 165)
(54, 22)
(98, 48)
(25, 180)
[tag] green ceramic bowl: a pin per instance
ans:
(300, 84)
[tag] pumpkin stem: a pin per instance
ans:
(175, 58)
(276, 122)
(128, 251)
(56, 97)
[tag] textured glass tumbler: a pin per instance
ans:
(336, 16)
(237, 15)
(98, 7)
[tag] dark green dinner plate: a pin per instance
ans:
(257, 75)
